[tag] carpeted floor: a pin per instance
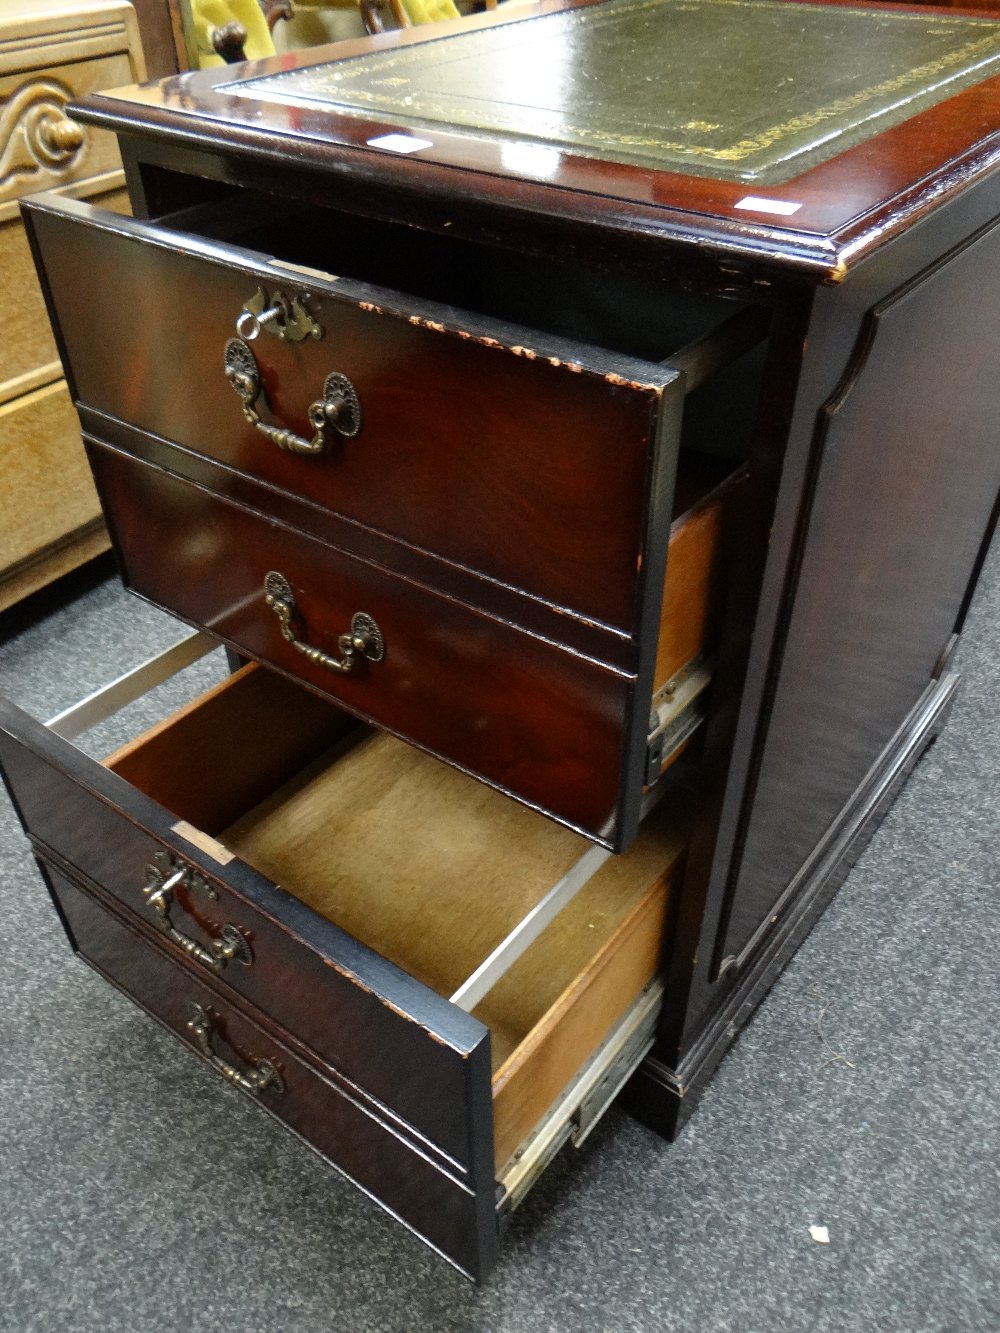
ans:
(139, 1193)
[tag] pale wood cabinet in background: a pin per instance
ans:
(50, 52)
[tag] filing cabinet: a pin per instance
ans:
(597, 528)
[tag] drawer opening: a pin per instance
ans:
(549, 718)
(426, 867)
(644, 317)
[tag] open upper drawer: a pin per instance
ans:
(510, 491)
(524, 457)
(409, 896)
(540, 461)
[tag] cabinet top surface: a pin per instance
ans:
(821, 128)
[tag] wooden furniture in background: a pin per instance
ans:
(50, 519)
(162, 37)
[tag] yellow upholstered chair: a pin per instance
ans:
(382, 14)
(223, 31)
(429, 11)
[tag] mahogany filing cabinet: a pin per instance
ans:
(591, 466)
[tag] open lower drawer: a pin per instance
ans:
(316, 907)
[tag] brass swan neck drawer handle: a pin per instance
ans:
(362, 641)
(263, 1074)
(162, 878)
(339, 407)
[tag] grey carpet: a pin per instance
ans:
(140, 1193)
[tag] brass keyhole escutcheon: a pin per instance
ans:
(286, 317)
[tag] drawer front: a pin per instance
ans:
(40, 147)
(348, 1129)
(532, 465)
(545, 725)
(48, 494)
(424, 1061)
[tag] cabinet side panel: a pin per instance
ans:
(906, 471)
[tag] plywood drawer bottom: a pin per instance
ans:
(432, 870)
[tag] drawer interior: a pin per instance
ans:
(427, 867)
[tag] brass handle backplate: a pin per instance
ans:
(362, 641)
(339, 407)
(263, 1074)
(164, 876)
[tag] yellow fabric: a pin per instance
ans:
(429, 11)
(209, 14)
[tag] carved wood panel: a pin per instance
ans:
(40, 146)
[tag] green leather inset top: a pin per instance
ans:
(755, 90)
